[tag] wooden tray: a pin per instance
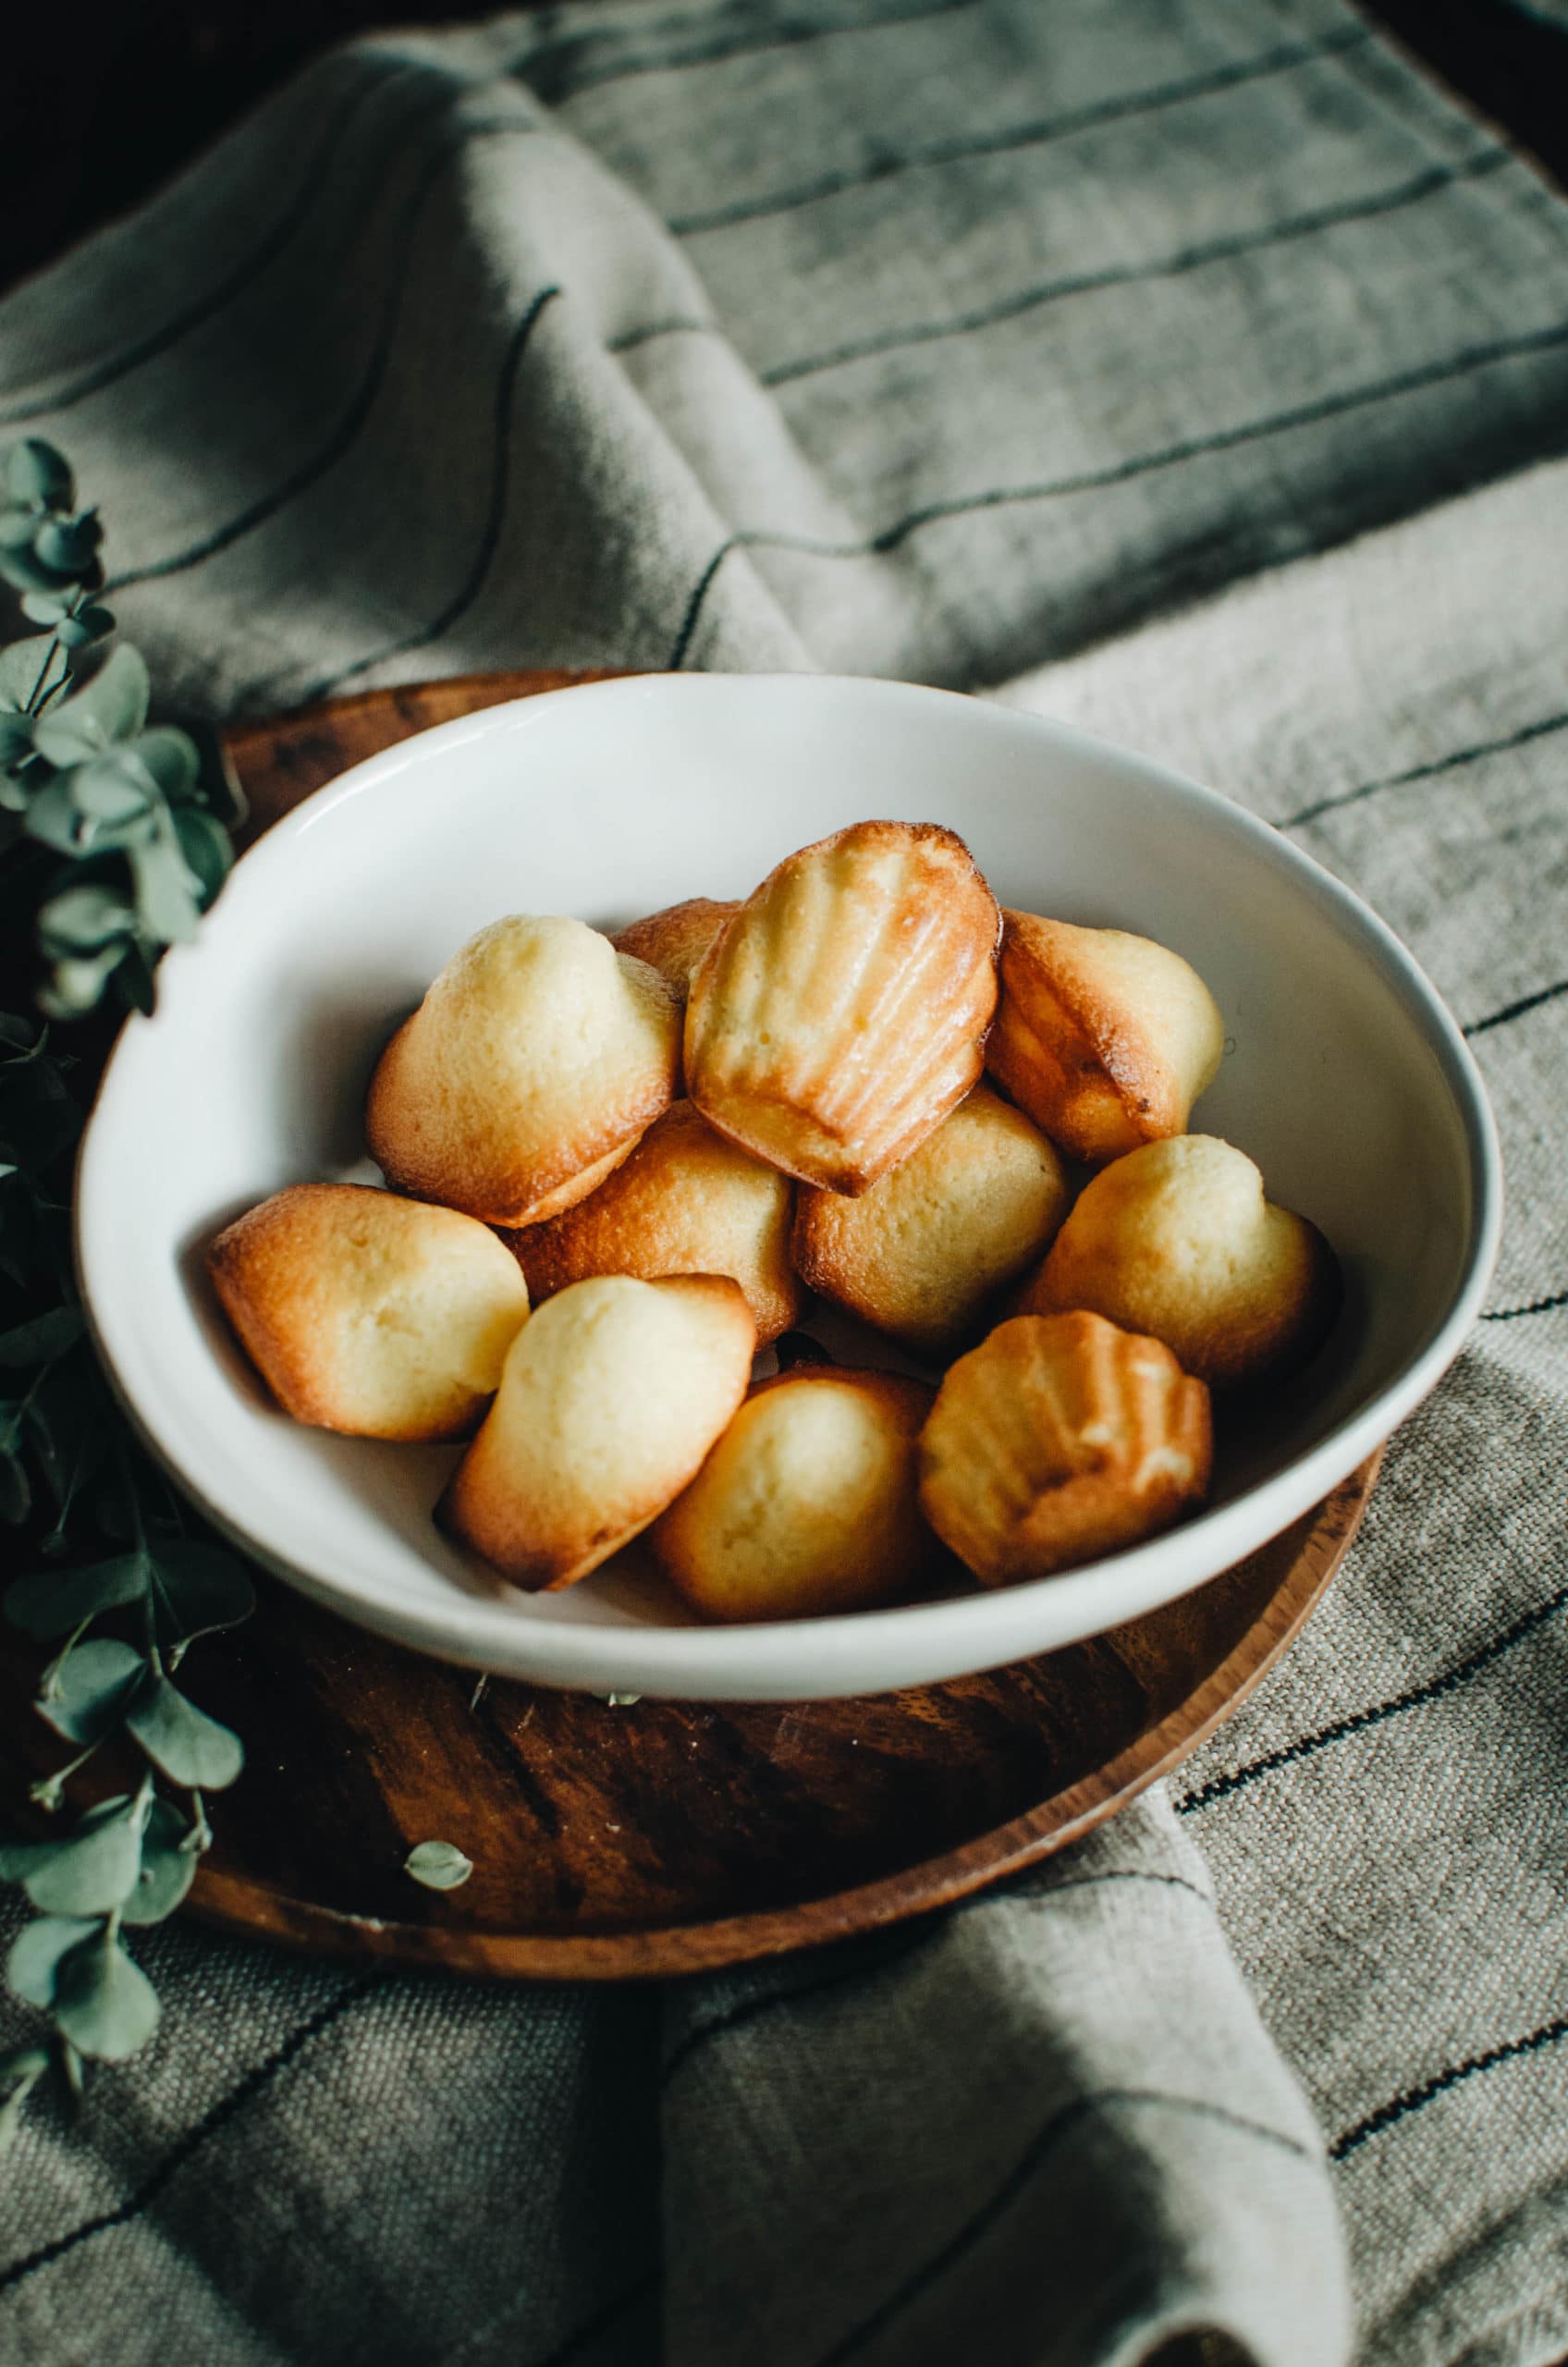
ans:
(666, 1837)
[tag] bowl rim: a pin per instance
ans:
(960, 1633)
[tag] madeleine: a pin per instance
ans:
(1106, 1039)
(809, 1503)
(840, 1014)
(675, 940)
(365, 1313)
(1059, 1439)
(927, 1248)
(534, 1064)
(608, 1405)
(685, 1202)
(1178, 1240)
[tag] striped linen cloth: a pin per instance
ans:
(1191, 369)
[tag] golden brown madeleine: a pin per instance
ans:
(840, 1014)
(1106, 1039)
(808, 1504)
(1177, 1240)
(365, 1313)
(924, 1251)
(600, 1423)
(1056, 1439)
(529, 1071)
(686, 1202)
(674, 941)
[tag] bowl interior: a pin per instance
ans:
(1340, 1078)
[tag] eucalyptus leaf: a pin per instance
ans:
(51, 1602)
(16, 747)
(37, 475)
(111, 708)
(43, 599)
(110, 788)
(168, 1866)
(36, 1952)
(183, 1741)
(86, 626)
(21, 666)
(91, 1869)
(83, 920)
(45, 1337)
(205, 846)
(103, 2003)
(71, 544)
(198, 1589)
(165, 889)
(170, 758)
(134, 982)
(439, 1865)
(76, 986)
(20, 2072)
(52, 818)
(90, 1695)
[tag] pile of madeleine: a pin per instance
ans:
(618, 1165)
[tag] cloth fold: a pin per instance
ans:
(1197, 373)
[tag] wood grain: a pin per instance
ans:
(664, 1837)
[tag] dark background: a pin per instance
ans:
(103, 100)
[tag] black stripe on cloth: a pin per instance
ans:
(548, 71)
(490, 533)
(1018, 2178)
(343, 434)
(1510, 740)
(748, 2009)
(1536, 1306)
(1524, 1626)
(600, 2322)
(1517, 1010)
(227, 2109)
(885, 165)
(317, 173)
(1400, 2108)
(1009, 308)
(1325, 407)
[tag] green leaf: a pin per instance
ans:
(170, 758)
(111, 789)
(189, 1747)
(36, 1952)
(92, 1690)
(197, 1588)
(45, 600)
(439, 1865)
(91, 1869)
(41, 1340)
(88, 625)
(69, 543)
(83, 920)
(104, 2004)
(16, 747)
(51, 1602)
(205, 846)
(111, 708)
(165, 889)
(20, 668)
(20, 2072)
(37, 475)
(134, 982)
(76, 986)
(52, 818)
(168, 1866)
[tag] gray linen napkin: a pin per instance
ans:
(951, 340)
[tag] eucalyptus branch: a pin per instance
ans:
(115, 841)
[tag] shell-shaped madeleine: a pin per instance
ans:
(807, 1505)
(365, 1313)
(536, 1060)
(674, 941)
(1105, 1039)
(610, 1398)
(841, 1012)
(686, 1202)
(1059, 1439)
(925, 1251)
(1178, 1240)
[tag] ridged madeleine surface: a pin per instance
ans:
(533, 1065)
(1106, 1039)
(1178, 1240)
(926, 1250)
(674, 941)
(841, 1012)
(602, 1416)
(1059, 1439)
(685, 1202)
(369, 1314)
(808, 1505)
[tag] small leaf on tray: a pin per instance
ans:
(439, 1865)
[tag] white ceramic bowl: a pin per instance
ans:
(1345, 1079)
